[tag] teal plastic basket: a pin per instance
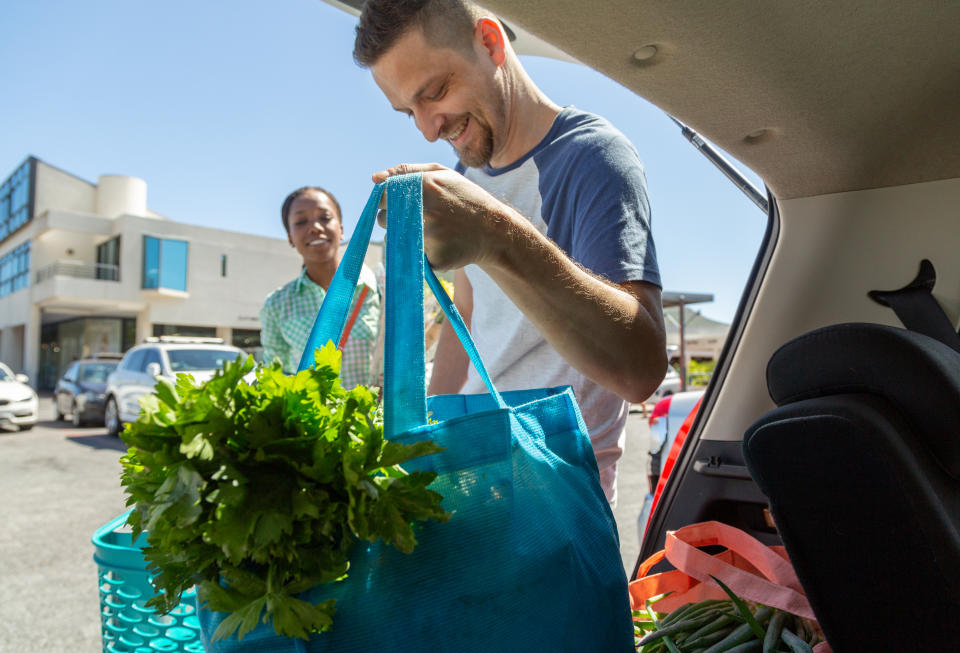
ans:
(128, 626)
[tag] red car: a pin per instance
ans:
(669, 422)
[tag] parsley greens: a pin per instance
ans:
(257, 492)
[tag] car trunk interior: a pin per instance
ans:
(810, 280)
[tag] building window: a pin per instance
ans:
(61, 343)
(108, 260)
(16, 195)
(184, 330)
(223, 265)
(164, 263)
(15, 270)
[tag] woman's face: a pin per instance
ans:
(315, 228)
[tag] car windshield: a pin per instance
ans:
(189, 360)
(4, 376)
(96, 372)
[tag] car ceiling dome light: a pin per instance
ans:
(645, 53)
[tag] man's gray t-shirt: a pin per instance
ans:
(583, 186)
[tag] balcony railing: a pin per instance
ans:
(79, 270)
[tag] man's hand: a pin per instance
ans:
(462, 223)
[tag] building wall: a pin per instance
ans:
(67, 236)
(15, 308)
(256, 265)
(57, 189)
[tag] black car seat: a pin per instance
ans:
(861, 464)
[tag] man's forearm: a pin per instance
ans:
(613, 334)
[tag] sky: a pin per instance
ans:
(223, 108)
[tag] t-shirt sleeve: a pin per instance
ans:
(600, 211)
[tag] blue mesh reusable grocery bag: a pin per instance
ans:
(529, 560)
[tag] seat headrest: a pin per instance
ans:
(917, 374)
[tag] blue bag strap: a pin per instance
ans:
(404, 372)
(404, 383)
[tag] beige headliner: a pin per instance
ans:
(852, 95)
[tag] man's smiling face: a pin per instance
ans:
(450, 94)
(315, 229)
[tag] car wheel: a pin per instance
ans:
(75, 415)
(26, 427)
(111, 418)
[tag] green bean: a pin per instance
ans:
(796, 644)
(710, 604)
(707, 603)
(773, 631)
(747, 647)
(711, 627)
(674, 628)
(738, 635)
(676, 614)
(709, 639)
(714, 610)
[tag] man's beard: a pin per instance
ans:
(478, 157)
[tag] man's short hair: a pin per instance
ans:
(291, 198)
(445, 23)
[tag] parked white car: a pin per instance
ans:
(18, 401)
(143, 365)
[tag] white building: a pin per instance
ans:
(87, 268)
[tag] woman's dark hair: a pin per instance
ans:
(287, 203)
(445, 23)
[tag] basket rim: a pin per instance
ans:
(98, 535)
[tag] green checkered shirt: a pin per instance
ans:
(287, 317)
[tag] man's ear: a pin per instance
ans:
(493, 39)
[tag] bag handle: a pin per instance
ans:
(778, 585)
(404, 382)
(357, 307)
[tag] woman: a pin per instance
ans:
(313, 222)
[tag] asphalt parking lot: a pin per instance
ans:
(59, 484)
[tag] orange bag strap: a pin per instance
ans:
(681, 586)
(353, 316)
(776, 586)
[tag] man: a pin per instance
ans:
(546, 220)
(313, 222)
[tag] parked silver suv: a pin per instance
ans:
(166, 356)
